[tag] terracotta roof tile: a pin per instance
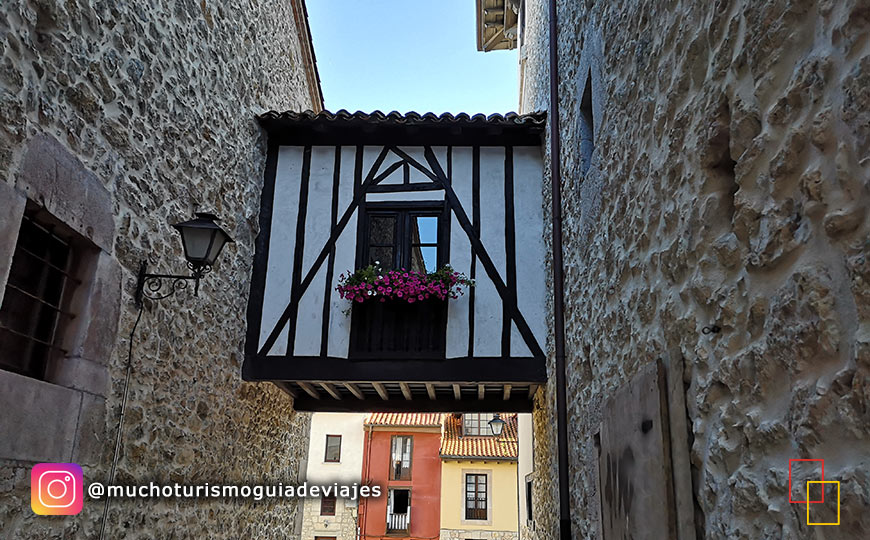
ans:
(404, 419)
(409, 129)
(410, 118)
(456, 445)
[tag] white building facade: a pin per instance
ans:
(335, 453)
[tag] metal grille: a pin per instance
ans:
(33, 304)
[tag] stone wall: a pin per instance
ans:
(117, 119)
(343, 525)
(471, 534)
(728, 186)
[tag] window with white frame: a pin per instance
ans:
(476, 423)
(400, 455)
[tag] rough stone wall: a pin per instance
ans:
(158, 101)
(343, 525)
(470, 534)
(729, 186)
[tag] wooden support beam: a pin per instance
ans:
(308, 389)
(353, 389)
(532, 389)
(507, 392)
(456, 393)
(331, 390)
(382, 391)
(406, 390)
(481, 392)
(430, 389)
(285, 386)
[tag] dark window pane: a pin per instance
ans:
(383, 230)
(424, 230)
(383, 256)
(333, 448)
(327, 506)
(32, 302)
(424, 259)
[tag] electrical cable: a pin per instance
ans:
(121, 419)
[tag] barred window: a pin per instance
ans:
(35, 301)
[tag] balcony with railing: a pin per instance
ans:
(397, 523)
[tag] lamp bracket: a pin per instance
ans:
(160, 286)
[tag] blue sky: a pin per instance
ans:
(408, 55)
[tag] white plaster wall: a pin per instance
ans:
(525, 463)
(487, 302)
(318, 227)
(347, 471)
(350, 427)
(282, 239)
(460, 253)
(531, 251)
(488, 306)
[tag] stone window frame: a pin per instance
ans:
(62, 418)
(489, 501)
(62, 361)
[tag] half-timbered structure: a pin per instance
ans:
(343, 191)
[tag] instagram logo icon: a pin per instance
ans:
(56, 489)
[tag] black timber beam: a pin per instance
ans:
(398, 403)
(459, 370)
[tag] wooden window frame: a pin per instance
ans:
(391, 501)
(475, 516)
(326, 450)
(325, 503)
(402, 244)
(392, 469)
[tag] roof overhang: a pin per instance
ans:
(477, 458)
(410, 129)
(497, 24)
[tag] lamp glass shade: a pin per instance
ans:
(496, 424)
(203, 239)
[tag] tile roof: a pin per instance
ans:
(404, 419)
(456, 445)
(410, 118)
(409, 129)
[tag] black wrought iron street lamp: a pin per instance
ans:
(496, 424)
(202, 239)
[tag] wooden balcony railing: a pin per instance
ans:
(398, 522)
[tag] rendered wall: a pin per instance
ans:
(346, 472)
(728, 187)
(525, 466)
(495, 213)
(119, 118)
(503, 499)
(425, 483)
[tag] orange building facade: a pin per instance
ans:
(401, 454)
